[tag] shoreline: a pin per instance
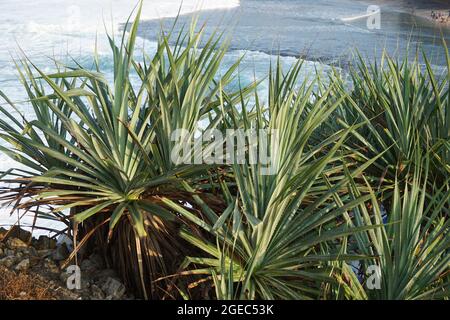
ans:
(426, 14)
(421, 9)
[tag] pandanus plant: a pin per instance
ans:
(274, 239)
(410, 252)
(103, 151)
(404, 104)
(99, 157)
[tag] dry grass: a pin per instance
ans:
(23, 287)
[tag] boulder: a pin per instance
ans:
(97, 260)
(23, 265)
(92, 264)
(114, 289)
(104, 274)
(2, 233)
(97, 293)
(31, 251)
(61, 252)
(8, 261)
(50, 266)
(34, 260)
(10, 253)
(16, 243)
(64, 276)
(88, 266)
(44, 243)
(16, 232)
(45, 253)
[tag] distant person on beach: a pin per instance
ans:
(439, 16)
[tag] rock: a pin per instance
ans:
(92, 264)
(45, 253)
(97, 260)
(64, 276)
(34, 260)
(50, 266)
(31, 252)
(114, 289)
(2, 233)
(104, 274)
(15, 243)
(44, 243)
(23, 265)
(61, 253)
(18, 233)
(67, 294)
(8, 261)
(43, 257)
(97, 293)
(85, 283)
(88, 266)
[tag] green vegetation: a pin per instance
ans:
(362, 175)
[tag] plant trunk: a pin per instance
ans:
(140, 262)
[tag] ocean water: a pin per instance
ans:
(47, 30)
(328, 31)
(322, 32)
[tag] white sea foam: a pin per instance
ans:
(56, 28)
(359, 17)
(40, 25)
(44, 28)
(91, 15)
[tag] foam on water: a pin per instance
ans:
(52, 27)
(59, 28)
(75, 16)
(64, 29)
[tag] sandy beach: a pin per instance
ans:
(421, 8)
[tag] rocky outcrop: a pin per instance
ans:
(42, 259)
